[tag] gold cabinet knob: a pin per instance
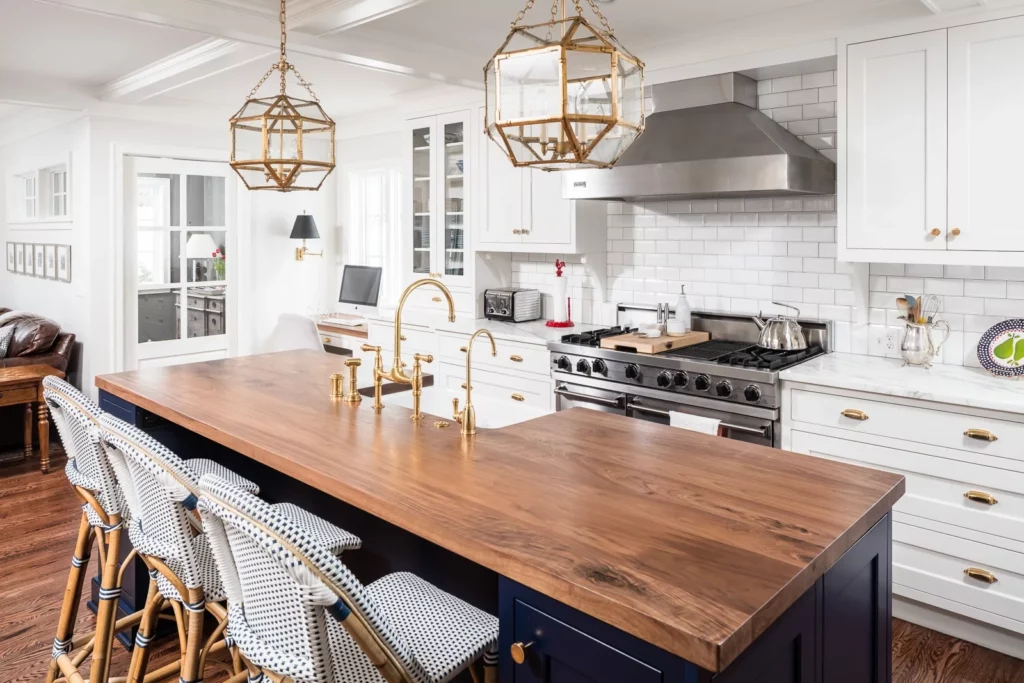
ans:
(518, 397)
(981, 497)
(516, 358)
(404, 338)
(936, 232)
(980, 575)
(524, 232)
(519, 652)
(981, 435)
(854, 414)
(955, 232)
(327, 340)
(436, 299)
(517, 232)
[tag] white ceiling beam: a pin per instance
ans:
(202, 60)
(333, 19)
(223, 22)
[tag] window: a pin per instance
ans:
(40, 195)
(371, 234)
(29, 196)
(59, 192)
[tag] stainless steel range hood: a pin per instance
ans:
(707, 139)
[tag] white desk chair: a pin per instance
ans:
(295, 332)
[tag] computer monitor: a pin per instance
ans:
(360, 286)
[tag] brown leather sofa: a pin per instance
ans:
(36, 340)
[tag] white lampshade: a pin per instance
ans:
(200, 245)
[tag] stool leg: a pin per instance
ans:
(191, 658)
(491, 666)
(72, 595)
(106, 614)
(147, 629)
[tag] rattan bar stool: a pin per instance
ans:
(162, 491)
(295, 611)
(89, 471)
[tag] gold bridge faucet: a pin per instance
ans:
(467, 416)
(396, 373)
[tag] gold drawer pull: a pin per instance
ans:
(518, 397)
(436, 299)
(404, 338)
(519, 652)
(980, 575)
(327, 340)
(981, 497)
(854, 414)
(981, 435)
(516, 358)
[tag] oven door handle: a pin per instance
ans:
(760, 431)
(611, 402)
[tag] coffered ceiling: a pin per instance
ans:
(361, 55)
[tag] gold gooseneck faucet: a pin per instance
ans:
(467, 417)
(396, 373)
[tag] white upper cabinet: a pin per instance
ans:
(501, 194)
(986, 139)
(930, 146)
(896, 148)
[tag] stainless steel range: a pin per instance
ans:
(728, 378)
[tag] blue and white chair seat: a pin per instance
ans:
(332, 537)
(201, 466)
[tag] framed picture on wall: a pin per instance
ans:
(19, 258)
(51, 261)
(10, 256)
(64, 262)
(30, 260)
(40, 260)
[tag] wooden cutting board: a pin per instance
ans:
(634, 342)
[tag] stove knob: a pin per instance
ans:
(565, 364)
(752, 393)
(665, 380)
(724, 389)
(583, 366)
(681, 379)
(600, 367)
(702, 383)
(632, 371)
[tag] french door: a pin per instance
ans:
(179, 243)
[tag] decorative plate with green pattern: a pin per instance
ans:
(1001, 349)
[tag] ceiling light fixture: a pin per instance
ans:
(282, 143)
(564, 94)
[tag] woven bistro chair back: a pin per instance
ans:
(283, 588)
(78, 422)
(156, 484)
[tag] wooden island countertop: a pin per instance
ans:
(693, 543)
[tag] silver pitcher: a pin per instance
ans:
(919, 347)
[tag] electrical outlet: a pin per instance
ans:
(884, 341)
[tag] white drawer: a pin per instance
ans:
(431, 299)
(909, 423)
(512, 356)
(934, 564)
(498, 386)
(935, 486)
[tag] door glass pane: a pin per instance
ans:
(422, 188)
(158, 315)
(205, 198)
(159, 203)
(159, 256)
(205, 256)
(454, 199)
(206, 311)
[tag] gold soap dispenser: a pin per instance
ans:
(467, 416)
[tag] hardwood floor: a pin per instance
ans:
(39, 519)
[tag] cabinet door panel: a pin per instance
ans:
(896, 156)
(501, 195)
(986, 141)
(551, 216)
(421, 198)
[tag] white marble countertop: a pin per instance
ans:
(533, 332)
(953, 384)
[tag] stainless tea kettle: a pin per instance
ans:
(781, 333)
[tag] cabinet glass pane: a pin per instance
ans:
(205, 312)
(205, 256)
(158, 256)
(422, 189)
(158, 315)
(205, 197)
(454, 198)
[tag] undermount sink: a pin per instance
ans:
(490, 414)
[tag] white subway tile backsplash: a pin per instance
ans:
(1015, 290)
(789, 83)
(965, 272)
(820, 110)
(944, 287)
(803, 249)
(803, 127)
(809, 96)
(818, 80)
(994, 273)
(1008, 308)
(784, 114)
(730, 205)
(829, 94)
(918, 270)
(985, 288)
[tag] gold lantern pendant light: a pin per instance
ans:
(564, 94)
(282, 143)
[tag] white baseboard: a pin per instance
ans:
(959, 626)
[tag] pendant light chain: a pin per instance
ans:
(608, 31)
(283, 64)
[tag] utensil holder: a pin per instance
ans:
(918, 347)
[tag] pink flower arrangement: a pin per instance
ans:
(559, 265)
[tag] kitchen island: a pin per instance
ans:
(611, 549)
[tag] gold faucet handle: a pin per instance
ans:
(456, 415)
(369, 347)
(354, 362)
(426, 358)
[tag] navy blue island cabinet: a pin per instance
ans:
(839, 631)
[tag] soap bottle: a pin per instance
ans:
(683, 310)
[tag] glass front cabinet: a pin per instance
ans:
(436, 214)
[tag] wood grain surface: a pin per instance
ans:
(693, 543)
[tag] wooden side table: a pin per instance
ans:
(24, 385)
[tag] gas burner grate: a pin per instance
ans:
(767, 359)
(709, 350)
(594, 337)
